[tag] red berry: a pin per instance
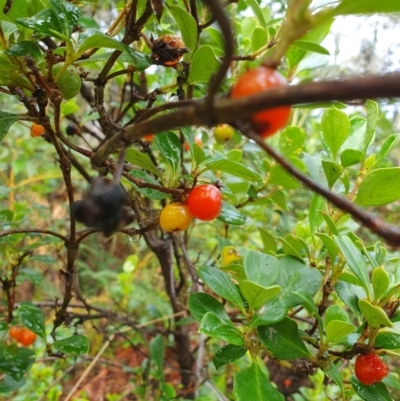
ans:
(370, 369)
(205, 202)
(27, 337)
(148, 137)
(262, 79)
(15, 332)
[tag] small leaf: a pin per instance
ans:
(335, 312)
(330, 245)
(74, 345)
(315, 219)
(44, 22)
(230, 215)
(32, 318)
(380, 282)
(350, 157)
(279, 176)
(170, 146)
(221, 284)
(282, 340)
(24, 48)
(256, 295)
(204, 65)
(367, 7)
(147, 192)
(379, 187)
(374, 315)
(387, 341)
(212, 326)
(388, 145)
(261, 268)
(259, 39)
(141, 160)
(374, 392)
(228, 354)
(16, 361)
(8, 384)
(200, 303)
(66, 14)
(350, 295)
(6, 120)
(291, 141)
(157, 351)
(257, 11)
(310, 47)
(332, 171)
(274, 312)
(337, 329)
(252, 384)
(335, 129)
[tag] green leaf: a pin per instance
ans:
(374, 315)
(315, 219)
(211, 325)
(141, 160)
(388, 341)
(332, 171)
(380, 282)
(221, 284)
(204, 65)
(291, 141)
(9, 384)
(230, 215)
(379, 187)
(74, 345)
(219, 162)
(32, 318)
(188, 27)
(334, 373)
(16, 361)
(257, 11)
(157, 351)
(66, 14)
(261, 268)
(335, 312)
(44, 22)
(354, 259)
(274, 312)
(372, 117)
(310, 47)
(268, 240)
(282, 340)
(25, 48)
(6, 120)
(279, 176)
(257, 295)
(170, 146)
(259, 38)
(337, 329)
(350, 157)
(147, 192)
(296, 276)
(366, 7)
(388, 145)
(228, 354)
(350, 294)
(331, 225)
(200, 303)
(252, 384)
(335, 129)
(374, 392)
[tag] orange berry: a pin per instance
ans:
(15, 332)
(148, 137)
(27, 337)
(37, 130)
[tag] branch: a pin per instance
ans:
(4, 233)
(228, 111)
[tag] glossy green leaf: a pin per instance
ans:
(6, 120)
(228, 354)
(8, 384)
(379, 187)
(74, 345)
(335, 129)
(374, 392)
(310, 47)
(380, 282)
(188, 27)
(66, 14)
(221, 284)
(141, 160)
(211, 325)
(257, 295)
(32, 318)
(252, 384)
(170, 146)
(24, 48)
(366, 7)
(274, 312)
(230, 215)
(337, 329)
(388, 341)
(204, 65)
(354, 259)
(296, 276)
(147, 192)
(16, 361)
(332, 171)
(374, 315)
(157, 351)
(350, 157)
(387, 146)
(44, 22)
(335, 312)
(200, 303)
(350, 294)
(261, 268)
(282, 340)
(291, 141)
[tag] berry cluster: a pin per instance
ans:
(22, 335)
(204, 202)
